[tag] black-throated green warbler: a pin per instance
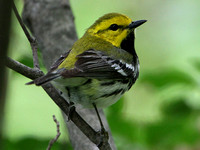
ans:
(101, 66)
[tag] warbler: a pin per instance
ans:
(101, 66)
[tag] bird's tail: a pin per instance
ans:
(44, 79)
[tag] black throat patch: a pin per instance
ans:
(128, 44)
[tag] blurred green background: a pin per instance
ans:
(160, 112)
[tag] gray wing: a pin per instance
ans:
(52, 74)
(90, 64)
(96, 64)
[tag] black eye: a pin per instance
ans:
(114, 27)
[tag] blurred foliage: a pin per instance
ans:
(167, 77)
(28, 59)
(160, 112)
(197, 64)
(33, 144)
(180, 123)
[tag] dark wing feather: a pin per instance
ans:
(59, 61)
(95, 64)
(90, 64)
(52, 74)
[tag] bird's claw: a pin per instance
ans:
(104, 136)
(71, 110)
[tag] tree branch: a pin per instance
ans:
(60, 101)
(23, 69)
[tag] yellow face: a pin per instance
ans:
(112, 27)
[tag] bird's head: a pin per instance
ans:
(115, 28)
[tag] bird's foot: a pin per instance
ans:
(71, 110)
(104, 136)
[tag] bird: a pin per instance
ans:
(101, 66)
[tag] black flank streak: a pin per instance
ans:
(113, 93)
(124, 81)
(130, 84)
(68, 91)
(107, 83)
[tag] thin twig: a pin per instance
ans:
(57, 135)
(31, 39)
(35, 54)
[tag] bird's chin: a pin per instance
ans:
(128, 43)
(132, 31)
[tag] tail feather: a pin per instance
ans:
(44, 79)
(29, 83)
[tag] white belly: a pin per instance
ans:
(101, 92)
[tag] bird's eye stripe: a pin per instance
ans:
(114, 27)
(111, 28)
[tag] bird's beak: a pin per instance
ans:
(136, 24)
